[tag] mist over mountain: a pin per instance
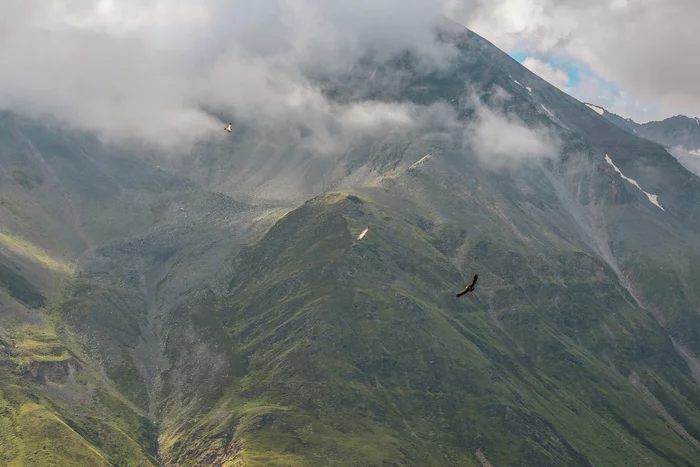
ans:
(207, 301)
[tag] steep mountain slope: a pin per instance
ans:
(679, 134)
(57, 408)
(234, 319)
(346, 353)
(582, 202)
(69, 394)
(673, 131)
(669, 193)
(626, 124)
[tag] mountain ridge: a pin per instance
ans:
(679, 135)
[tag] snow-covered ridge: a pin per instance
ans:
(653, 198)
(597, 110)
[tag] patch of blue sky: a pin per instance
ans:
(585, 84)
(519, 56)
(573, 68)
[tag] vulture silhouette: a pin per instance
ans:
(228, 128)
(470, 287)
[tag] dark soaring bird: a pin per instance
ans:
(228, 128)
(470, 287)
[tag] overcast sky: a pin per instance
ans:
(145, 68)
(640, 53)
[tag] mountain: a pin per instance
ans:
(626, 124)
(679, 134)
(675, 131)
(671, 132)
(221, 311)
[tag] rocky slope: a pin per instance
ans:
(679, 134)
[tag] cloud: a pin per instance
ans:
(171, 73)
(577, 79)
(499, 139)
(95, 74)
(593, 89)
(646, 46)
(553, 76)
(690, 159)
(159, 71)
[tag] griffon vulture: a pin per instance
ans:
(470, 287)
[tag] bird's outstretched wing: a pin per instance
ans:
(470, 287)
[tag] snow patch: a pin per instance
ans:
(517, 83)
(421, 161)
(653, 198)
(695, 152)
(597, 110)
(697, 120)
(547, 110)
(529, 89)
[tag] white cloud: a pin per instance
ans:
(648, 47)
(146, 70)
(500, 140)
(594, 90)
(553, 76)
(688, 158)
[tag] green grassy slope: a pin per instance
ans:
(58, 405)
(55, 409)
(341, 352)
